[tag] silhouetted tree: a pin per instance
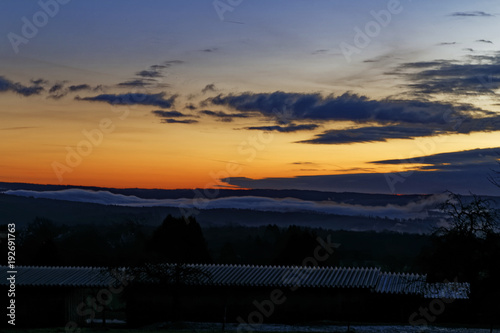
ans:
(37, 243)
(296, 245)
(176, 241)
(467, 249)
(228, 254)
(173, 246)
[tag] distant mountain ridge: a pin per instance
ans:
(340, 197)
(367, 212)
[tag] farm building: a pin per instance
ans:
(75, 296)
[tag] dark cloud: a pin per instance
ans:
(285, 129)
(484, 41)
(422, 64)
(176, 121)
(321, 51)
(159, 100)
(468, 49)
(463, 125)
(222, 116)
(209, 87)
(398, 119)
(79, 87)
(346, 107)
(150, 73)
(190, 106)
(150, 77)
(459, 172)
(58, 90)
(172, 62)
(140, 83)
(377, 59)
(472, 14)
(460, 160)
(459, 181)
(447, 43)
(168, 114)
(212, 49)
(476, 75)
(39, 82)
(7, 85)
(56, 87)
(369, 134)
(158, 67)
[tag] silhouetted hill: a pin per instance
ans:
(340, 197)
(23, 210)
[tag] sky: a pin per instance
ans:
(367, 96)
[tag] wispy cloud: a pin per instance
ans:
(369, 134)
(59, 90)
(211, 49)
(285, 129)
(140, 83)
(321, 51)
(472, 14)
(168, 114)
(484, 41)
(475, 75)
(303, 163)
(79, 87)
(177, 121)
(16, 87)
(209, 87)
(460, 160)
(17, 128)
(56, 87)
(38, 82)
(160, 100)
(151, 77)
(171, 117)
(222, 116)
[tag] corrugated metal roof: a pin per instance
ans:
(400, 283)
(58, 276)
(254, 276)
(281, 276)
